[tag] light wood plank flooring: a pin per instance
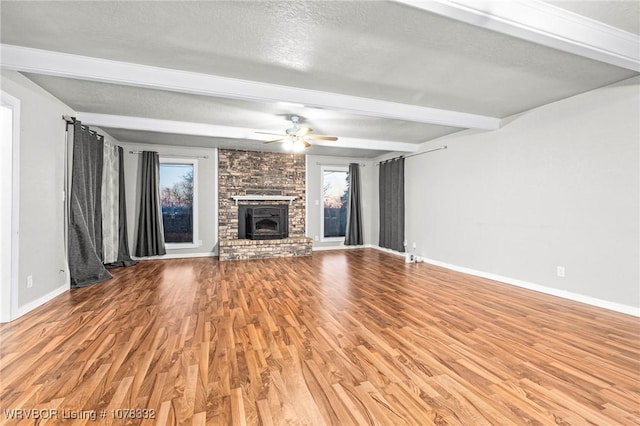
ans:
(343, 338)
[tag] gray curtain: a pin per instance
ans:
(150, 240)
(353, 235)
(392, 204)
(124, 255)
(85, 215)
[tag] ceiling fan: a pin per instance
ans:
(297, 138)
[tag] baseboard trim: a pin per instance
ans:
(341, 247)
(389, 251)
(24, 309)
(176, 256)
(612, 306)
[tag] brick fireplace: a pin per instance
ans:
(248, 180)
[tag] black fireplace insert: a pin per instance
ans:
(264, 222)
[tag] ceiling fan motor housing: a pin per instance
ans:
(294, 129)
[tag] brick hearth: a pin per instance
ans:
(262, 249)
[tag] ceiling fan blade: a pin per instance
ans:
(322, 138)
(304, 131)
(275, 141)
(268, 133)
(306, 144)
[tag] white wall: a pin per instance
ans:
(314, 194)
(42, 160)
(207, 194)
(555, 186)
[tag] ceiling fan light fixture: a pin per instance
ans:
(298, 145)
(288, 144)
(296, 138)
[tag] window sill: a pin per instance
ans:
(332, 239)
(179, 246)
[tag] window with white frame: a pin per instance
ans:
(179, 201)
(335, 196)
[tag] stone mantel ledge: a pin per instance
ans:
(288, 198)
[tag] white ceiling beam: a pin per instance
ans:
(216, 131)
(94, 69)
(165, 126)
(544, 24)
(373, 144)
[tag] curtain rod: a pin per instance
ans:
(338, 165)
(174, 156)
(72, 120)
(413, 155)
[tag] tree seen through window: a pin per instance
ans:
(335, 195)
(176, 198)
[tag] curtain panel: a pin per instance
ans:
(110, 203)
(353, 234)
(85, 215)
(124, 255)
(96, 211)
(391, 192)
(150, 239)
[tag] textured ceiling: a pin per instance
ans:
(378, 50)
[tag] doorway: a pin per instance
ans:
(9, 145)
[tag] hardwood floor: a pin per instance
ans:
(343, 337)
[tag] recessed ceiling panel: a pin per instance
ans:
(87, 96)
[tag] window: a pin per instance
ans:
(335, 196)
(179, 202)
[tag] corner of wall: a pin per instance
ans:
(42, 165)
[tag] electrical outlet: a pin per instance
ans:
(29, 281)
(560, 271)
(415, 245)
